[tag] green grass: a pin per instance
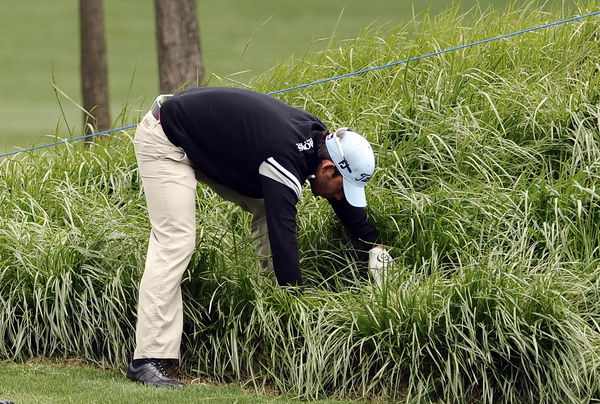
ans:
(486, 193)
(40, 47)
(43, 381)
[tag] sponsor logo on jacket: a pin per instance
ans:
(306, 145)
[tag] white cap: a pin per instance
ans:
(353, 156)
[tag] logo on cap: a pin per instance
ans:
(344, 165)
(364, 177)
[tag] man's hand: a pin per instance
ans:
(379, 262)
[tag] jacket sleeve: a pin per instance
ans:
(357, 222)
(280, 206)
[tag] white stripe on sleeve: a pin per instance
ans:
(272, 169)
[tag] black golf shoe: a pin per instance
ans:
(151, 371)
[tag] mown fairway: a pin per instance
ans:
(42, 382)
(39, 46)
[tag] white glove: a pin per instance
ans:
(379, 261)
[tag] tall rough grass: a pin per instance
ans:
(486, 192)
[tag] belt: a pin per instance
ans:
(155, 110)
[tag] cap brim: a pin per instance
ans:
(354, 194)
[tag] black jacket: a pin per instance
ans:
(261, 148)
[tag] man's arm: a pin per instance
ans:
(280, 206)
(356, 221)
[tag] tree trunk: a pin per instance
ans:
(178, 39)
(94, 71)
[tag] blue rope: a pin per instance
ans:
(337, 77)
(432, 54)
(69, 140)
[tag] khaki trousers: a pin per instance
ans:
(169, 183)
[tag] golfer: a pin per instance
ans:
(255, 151)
